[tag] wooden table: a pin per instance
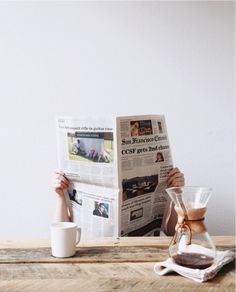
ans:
(102, 264)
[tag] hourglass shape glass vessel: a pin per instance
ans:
(191, 245)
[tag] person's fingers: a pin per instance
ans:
(61, 184)
(175, 176)
(62, 178)
(60, 173)
(59, 180)
(173, 171)
(179, 182)
(172, 181)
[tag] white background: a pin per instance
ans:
(117, 58)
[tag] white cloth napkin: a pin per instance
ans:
(222, 258)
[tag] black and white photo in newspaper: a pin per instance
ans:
(87, 149)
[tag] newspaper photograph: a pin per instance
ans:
(87, 150)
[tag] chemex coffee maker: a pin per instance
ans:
(191, 245)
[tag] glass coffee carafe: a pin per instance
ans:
(191, 245)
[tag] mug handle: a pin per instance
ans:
(78, 235)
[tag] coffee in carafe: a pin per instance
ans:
(191, 245)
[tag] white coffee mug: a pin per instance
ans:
(64, 238)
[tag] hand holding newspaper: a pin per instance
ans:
(118, 168)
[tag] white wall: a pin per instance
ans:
(92, 58)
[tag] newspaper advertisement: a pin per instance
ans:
(87, 153)
(144, 162)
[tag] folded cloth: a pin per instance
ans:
(222, 258)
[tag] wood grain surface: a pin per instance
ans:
(109, 264)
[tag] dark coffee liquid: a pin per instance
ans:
(193, 260)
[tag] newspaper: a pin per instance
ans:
(118, 168)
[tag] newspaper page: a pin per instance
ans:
(87, 153)
(144, 160)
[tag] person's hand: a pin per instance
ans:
(60, 183)
(176, 178)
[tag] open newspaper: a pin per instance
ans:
(118, 168)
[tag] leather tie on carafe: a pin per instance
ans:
(195, 225)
